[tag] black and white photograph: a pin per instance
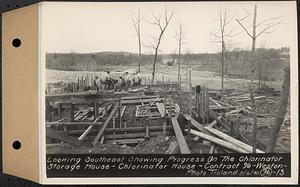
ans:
(168, 78)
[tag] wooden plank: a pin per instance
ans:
(249, 99)
(55, 123)
(79, 123)
(222, 107)
(77, 113)
(128, 129)
(212, 123)
(62, 136)
(139, 97)
(232, 140)
(214, 101)
(139, 101)
(123, 110)
(183, 147)
(217, 117)
(130, 141)
(128, 136)
(219, 142)
(211, 150)
(80, 114)
(105, 124)
(86, 132)
(196, 124)
(161, 108)
(102, 139)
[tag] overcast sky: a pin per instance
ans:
(94, 27)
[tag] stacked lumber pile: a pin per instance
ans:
(216, 137)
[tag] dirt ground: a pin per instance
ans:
(209, 79)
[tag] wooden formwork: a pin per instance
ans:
(106, 117)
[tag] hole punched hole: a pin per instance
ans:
(16, 42)
(16, 145)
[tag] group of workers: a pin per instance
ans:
(119, 83)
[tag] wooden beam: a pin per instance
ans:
(105, 124)
(55, 123)
(232, 140)
(219, 141)
(161, 108)
(217, 117)
(139, 101)
(102, 140)
(62, 136)
(75, 123)
(86, 132)
(183, 147)
(128, 136)
(211, 150)
(128, 129)
(214, 101)
(222, 107)
(196, 124)
(212, 123)
(130, 141)
(139, 97)
(248, 99)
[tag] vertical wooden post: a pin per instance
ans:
(197, 102)
(59, 110)
(150, 114)
(71, 111)
(202, 105)
(125, 126)
(120, 117)
(48, 111)
(165, 119)
(236, 125)
(189, 129)
(96, 110)
(206, 105)
(114, 126)
(147, 131)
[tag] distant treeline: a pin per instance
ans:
(93, 61)
(237, 62)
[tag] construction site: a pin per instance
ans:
(161, 87)
(160, 118)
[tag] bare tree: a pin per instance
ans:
(180, 40)
(265, 26)
(136, 19)
(160, 21)
(222, 37)
(258, 29)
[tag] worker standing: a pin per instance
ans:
(96, 84)
(127, 80)
(139, 78)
